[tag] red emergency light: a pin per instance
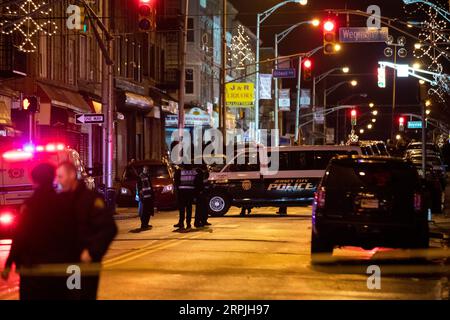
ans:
(17, 155)
(6, 218)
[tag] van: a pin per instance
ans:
(251, 183)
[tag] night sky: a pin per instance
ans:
(361, 58)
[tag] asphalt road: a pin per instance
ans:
(261, 256)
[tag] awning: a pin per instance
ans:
(5, 114)
(138, 100)
(65, 98)
(166, 102)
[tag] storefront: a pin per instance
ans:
(138, 131)
(55, 120)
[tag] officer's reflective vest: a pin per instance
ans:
(187, 179)
(146, 186)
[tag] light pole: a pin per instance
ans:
(316, 80)
(260, 18)
(278, 38)
(329, 91)
(340, 102)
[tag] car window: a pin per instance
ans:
(358, 176)
(249, 162)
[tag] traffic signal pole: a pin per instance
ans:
(105, 45)
(297, 106)
(182, 57)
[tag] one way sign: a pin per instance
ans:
(90, 118)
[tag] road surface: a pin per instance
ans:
(261, 256)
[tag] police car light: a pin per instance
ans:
(17, 155)
(50, 147)
(28, 148)
(60, 147)
(6, 218)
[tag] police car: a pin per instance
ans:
(252, 179)
(15, 176)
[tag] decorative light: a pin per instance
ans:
(371, 105)
(369, 126)
(374, 120)
(354, 83)
(428, 103)
(398, 137)
(345, 69)
(361, 131)
(241, 52)
(428, 111)
(375, 112)
(28, 27)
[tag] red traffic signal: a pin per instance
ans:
(353, 113)
(307, 68)
(307, 64)
(401, 123)
(329, 37)
(328, 26)
(146, 12)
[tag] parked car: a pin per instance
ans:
(162, 182)
(369, 202)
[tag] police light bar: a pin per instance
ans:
(17, 155)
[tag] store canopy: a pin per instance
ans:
(5, 115)
(66, 98)
(138, 100)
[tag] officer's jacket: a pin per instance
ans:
(144, 186)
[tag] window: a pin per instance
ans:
(251, 163)
(43, 56)
(83, 61)
(189, 81)
(71, 65)
(190, 30)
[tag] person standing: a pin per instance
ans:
(201, 212)
(146, 198)
(186, 186)
(95, 226)
(45, 237)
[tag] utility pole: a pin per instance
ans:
(105, 44)
(297, 105)
(182, 57)
(223, 75)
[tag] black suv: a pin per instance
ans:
(369, 202)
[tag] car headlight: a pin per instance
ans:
(125, 191)
(168, 188)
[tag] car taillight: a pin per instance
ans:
(6, 218)
(320, 198)
(417, 202)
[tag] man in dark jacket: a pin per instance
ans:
(146, 198)
(187, 185)
(44, 242)
(96, 228)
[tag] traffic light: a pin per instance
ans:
(382, 77)
(353, 115)
(30, 104)
(147, 15)
(329, 37)
(401, 124)
(307, 67)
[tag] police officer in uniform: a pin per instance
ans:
(146, 198)
(201, 212)
(187, 187)
(95, 226)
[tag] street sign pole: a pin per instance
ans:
(297, 106)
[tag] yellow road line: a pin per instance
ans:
(145, 250)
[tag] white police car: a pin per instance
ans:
(278, 176)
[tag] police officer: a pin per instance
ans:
(201, 212)
(146, 198)
(45, 236)
(95, 225)
(187, 186)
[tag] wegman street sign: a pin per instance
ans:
(363, 34)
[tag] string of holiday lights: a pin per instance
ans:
(27, 26)
(241, 52)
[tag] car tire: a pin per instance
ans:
(320, 248)
(218, 205)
